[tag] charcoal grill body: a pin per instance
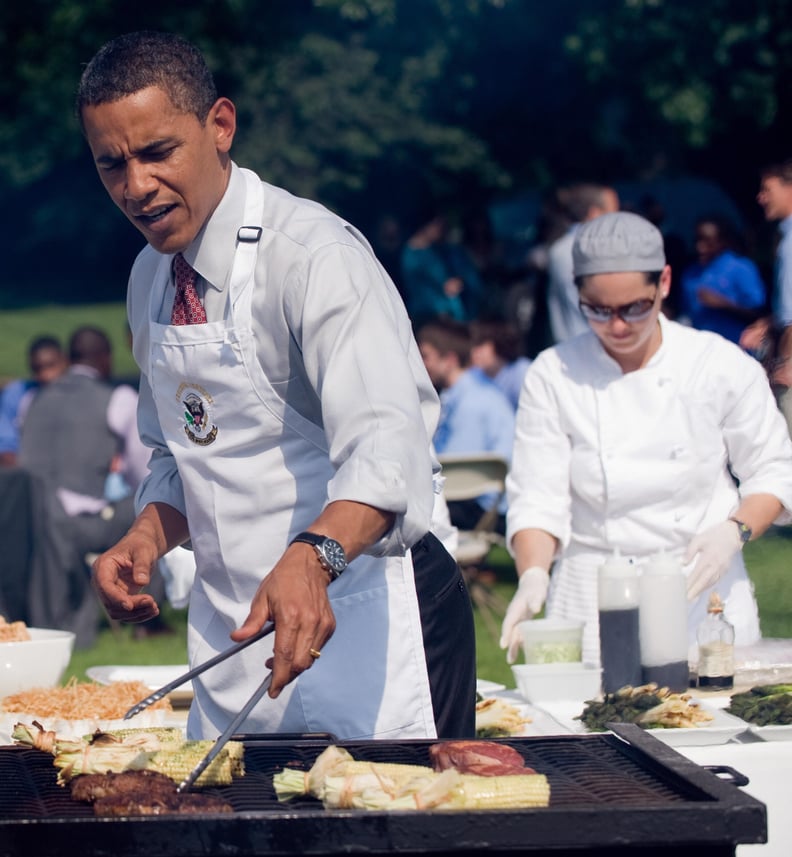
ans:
(610, 794)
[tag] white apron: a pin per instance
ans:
(255, 474)
(673, 479)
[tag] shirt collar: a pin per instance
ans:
(211, 253)
(786, 225)
(83, 369)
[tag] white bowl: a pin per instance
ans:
(38, 662)
(551, 682)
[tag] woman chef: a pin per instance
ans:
(289, 413)
(643, 436)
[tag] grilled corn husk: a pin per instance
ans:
(341, 782)
(153, 749)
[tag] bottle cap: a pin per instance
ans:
(715, 603)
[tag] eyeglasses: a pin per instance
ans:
(632, 312)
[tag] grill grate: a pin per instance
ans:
(580, 772)
(605, 791)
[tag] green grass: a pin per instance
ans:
(20, 326)
(769, 561)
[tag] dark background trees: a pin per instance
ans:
(366, 104)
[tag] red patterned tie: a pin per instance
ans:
(187, 307)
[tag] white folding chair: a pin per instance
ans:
(468, 476)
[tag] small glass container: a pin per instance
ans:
(715, 637)
(551, 641)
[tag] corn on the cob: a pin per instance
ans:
(175, 762)
(340, 781)
(452, 790)
(178, 762)
(448, 790)
(147, 737)
(337, 762)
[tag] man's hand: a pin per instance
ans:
(294, 597)
(121, 573)
(711, 298)
(526, 603)
(713, 551)
(752, 338)
(782, 373)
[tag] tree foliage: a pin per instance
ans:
(363, 103)
(673, 78)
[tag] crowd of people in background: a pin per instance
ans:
(479, 319)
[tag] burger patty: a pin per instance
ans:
(141, 793)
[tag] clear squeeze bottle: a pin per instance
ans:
(663, 624)
(618, 596)
(715, 637)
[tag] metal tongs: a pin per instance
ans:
(232, 727)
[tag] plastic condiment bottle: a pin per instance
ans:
(618, 597)
(663, 624)
(715, 637)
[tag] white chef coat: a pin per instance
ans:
(315, 351)
(642, 461)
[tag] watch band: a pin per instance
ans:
(329, 552)
(743, 529)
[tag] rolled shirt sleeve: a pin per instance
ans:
(377, 403)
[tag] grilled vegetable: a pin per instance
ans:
(340, 782)
(153, 749)
(764, 705)
(498, 719)
(647, 706)
(452, 790)
(447, 790)
(335, 762)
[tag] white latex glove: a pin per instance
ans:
(526, 603)
(713, 551)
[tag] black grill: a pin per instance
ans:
(609, 795)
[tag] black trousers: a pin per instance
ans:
(448, 636)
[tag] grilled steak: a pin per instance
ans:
(141, 793)
(485, 758)
(92, 787)
(143, 803)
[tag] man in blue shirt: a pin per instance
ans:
(47, 362)
(722, 291)
(771, 336)
(475, 416)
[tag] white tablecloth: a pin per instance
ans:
(768, 765)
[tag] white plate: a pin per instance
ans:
(487, 688)
(772, 733)
(542, 722)
(721, 729)
(154, 677)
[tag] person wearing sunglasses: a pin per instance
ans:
(640, 435)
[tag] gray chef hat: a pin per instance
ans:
(617, 242)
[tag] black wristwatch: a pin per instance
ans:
(331, 554)
(743, 529)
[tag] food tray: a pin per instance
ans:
(722, 728)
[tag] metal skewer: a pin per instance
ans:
(266, 629)
(232, 727)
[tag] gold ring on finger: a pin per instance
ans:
(314, 654)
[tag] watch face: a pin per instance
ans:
(334, 555)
